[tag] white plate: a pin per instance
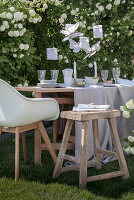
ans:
(48, 85)
(108, 84)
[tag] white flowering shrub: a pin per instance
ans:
(17, 51)
(20, 18)
(129, 147)
(117, 44)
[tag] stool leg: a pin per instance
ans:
(84, 155)
(119, 151)
(37, 147)
(58, 166)
(96, 141)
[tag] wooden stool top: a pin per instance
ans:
(85, 116)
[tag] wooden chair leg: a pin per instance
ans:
(119, 151)
(84, 155)
(96, 141)
(47, 140)
(58, 166)
(16, 155)
(37, 147)
(24, 147)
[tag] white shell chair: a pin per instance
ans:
(19, 114)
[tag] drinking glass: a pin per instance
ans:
(116, 75)
(41, 75)
(104, 75)
(54, 74)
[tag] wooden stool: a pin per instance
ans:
(82, 163)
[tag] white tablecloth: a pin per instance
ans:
(115, 97)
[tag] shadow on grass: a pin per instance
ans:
(110, 188)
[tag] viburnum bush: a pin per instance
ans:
(17, 51)
(116, 46)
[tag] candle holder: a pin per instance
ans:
(79, 84)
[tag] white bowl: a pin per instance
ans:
(91, 80)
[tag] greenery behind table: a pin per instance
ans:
(43, 21)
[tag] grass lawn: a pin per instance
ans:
(36, 181)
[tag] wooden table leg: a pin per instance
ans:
(55, 130)
(24, 147)
(37, 139)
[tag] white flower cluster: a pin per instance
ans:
(4, 26)
(17, 33)
(129, 148)
(61, 57)
(74, 12)
(62, 18)
(128, 108)
(24, 47)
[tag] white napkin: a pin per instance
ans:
(125, 81)
(90, 107)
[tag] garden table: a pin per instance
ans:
(64, 96)
(114, 96)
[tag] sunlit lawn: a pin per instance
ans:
(36, 181)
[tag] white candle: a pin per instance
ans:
(75, 70)
(95, 69)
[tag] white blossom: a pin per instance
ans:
(115, 60)
(73, 12)
(9, 15)
(117, 2)
(66, 61)
(2, 28)
(100, 8)
(26, 47)
(18, 16)
(126, 114)
(57, 3)
(109, 6)
(90, 65)
(35, 20)
(10, 33)
(122, 108)
(118, 33)
(16, 33)
(68, 7)
(45, 6)
(61, 20)
(21, 55)
(12, 9)
(112, 28)
(64, 16)
(131, 138)
(32, 13)
(20, 25)
(77, 9)
(22, 1)
(14, 55)
(21, 46)
(130, 104)
(60, 57)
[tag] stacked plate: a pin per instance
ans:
(48, 83)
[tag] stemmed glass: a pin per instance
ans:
(41, 75)
(116, 75)
(54, 74)
(104, 75)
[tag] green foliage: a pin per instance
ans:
(117, 44)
